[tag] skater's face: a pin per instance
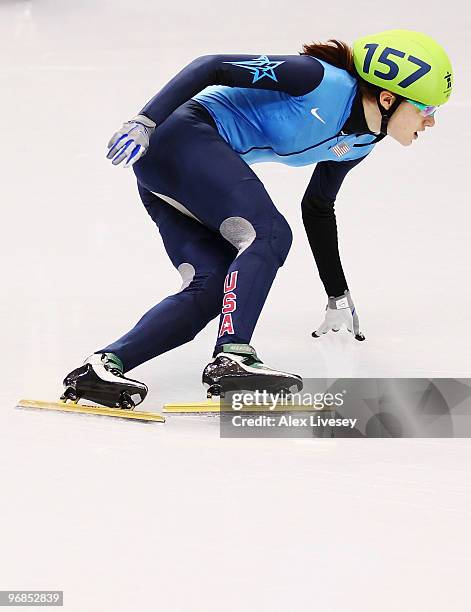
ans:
(406, 122)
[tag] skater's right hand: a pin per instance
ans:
(131, 141)
(340, 311)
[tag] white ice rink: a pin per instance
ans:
(130, 517)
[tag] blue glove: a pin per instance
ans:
(131, 141)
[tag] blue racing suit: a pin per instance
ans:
(217, 117)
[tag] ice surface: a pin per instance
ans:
(125, 516)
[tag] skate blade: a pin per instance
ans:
(135, 415)
(207, 407)
(214, 407)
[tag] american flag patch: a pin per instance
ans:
(340, 149)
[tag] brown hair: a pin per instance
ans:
(340, 54)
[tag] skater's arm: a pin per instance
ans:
(295, 75)
(320, 222)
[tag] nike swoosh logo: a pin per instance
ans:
(316, 114)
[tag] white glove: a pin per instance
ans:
(340, 311)
(131, 141)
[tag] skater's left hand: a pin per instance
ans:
(340, 311)
(131, 141)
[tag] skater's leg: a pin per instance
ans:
(202, 258)
(262, 238)
(191, 165)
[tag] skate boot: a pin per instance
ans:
(237, 367)
(100, 379)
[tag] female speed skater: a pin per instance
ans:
(191, 148)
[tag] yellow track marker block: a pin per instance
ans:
(135, 415)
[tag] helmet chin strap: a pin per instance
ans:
(387, 114)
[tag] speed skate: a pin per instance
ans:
(100, 379)
(237, 367)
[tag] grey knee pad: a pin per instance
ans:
(241, 234)
(187, 272)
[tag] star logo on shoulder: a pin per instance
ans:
(259, 67)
